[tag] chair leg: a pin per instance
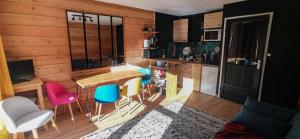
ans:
(140, 98)
(149, 89)
(15, 136)
(79, 106)
(117, 106)
(71, 112)
(35, 134)
(143, 91)
(128, 100)
(55, 111)
(97, 106)
(54, 126)
(99, 111)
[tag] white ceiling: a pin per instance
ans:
(174, 7)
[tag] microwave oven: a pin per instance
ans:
(212, 35)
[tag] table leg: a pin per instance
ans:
(41, 101)
(40, 97)
(78, 89)
(88, 105)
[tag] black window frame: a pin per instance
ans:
(114, 61)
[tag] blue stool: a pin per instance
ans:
(106, 94)
(146, 80)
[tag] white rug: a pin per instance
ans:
(173, 121)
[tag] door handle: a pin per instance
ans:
(258, 64)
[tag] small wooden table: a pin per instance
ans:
(34, 84)
(101, 79)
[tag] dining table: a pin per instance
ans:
(85, 83)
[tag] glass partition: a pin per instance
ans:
(95, 40)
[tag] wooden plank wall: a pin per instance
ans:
(37, 29)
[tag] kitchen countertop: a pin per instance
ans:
(177, 61)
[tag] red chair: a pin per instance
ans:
(58, 95)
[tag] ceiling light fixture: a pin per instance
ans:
(84, 19)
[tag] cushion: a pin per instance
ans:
(145, 82)
(33, 120)
(294, 131)
(271, 111)
(270, 128)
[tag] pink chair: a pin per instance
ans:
(58, 95)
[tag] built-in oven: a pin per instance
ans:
(212, 35)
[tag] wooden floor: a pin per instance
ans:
(218, 107)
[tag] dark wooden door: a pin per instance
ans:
(244, 45)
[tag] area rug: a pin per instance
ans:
(173, 121)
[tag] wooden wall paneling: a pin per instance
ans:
(92, 6)
(34, 51)
(18, 7)
(33, 41)
(33, 20)
(133, 28)
(38, 30)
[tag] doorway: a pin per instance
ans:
(245, 45)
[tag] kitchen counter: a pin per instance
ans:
(187, 74)
(177, 61)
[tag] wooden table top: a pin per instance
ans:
(23, 86)
(107, 77)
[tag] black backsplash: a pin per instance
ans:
(164, 25)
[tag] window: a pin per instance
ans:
(95, 40)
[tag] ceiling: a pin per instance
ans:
(174, 7)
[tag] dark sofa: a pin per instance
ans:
(270, 121)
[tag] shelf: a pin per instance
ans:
(149, 32)
(158, 67)
(151, 48)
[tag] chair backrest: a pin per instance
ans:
(54, 89)
(108, 93)
(14, 108)
(132, 87)
(147, 73)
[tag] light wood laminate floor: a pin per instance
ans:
(215, 106)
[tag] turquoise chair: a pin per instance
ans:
(106, 94)
(146, 80)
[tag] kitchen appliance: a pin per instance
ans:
(151, 42)
(186, 52)
(150, 53)
(209, 79)
(160, 63)
(212, 35)
(147, 43)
